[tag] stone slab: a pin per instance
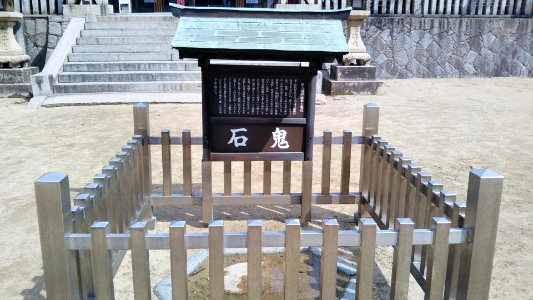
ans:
(359, 87)
(351, 73)
(15, 90)
(18, 75)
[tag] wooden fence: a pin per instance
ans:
(446, 245)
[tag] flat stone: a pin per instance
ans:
(235, 278)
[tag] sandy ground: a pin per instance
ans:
(447, 126)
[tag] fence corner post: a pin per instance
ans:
(370, 127)
(52, 195)
(482, 212)
(141, 126)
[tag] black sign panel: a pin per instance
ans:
(257, 111)
(257, 96)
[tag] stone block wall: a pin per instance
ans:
(41, 35)
(431, 47)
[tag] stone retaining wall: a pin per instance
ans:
(41, 34)
(422, 47)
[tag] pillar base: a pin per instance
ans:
(351, 80)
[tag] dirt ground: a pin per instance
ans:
(447, 126)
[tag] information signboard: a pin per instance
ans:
(257, 112)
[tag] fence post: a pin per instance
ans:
(216, 259)
(141, 124)
(207, 192)
(292, 258)
(307, 191)
(166, 161)
(254, 257)
(482, 212)
(140, 261)
(102, 262)
(52, 195)
(365, 259)
(370, 127)
(328, 262)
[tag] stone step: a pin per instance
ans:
(131, 25)
(151, 17)
(124, 40)
(144, 76)
(131, 66)
(113, 56)
(131, 48)
(171, 30)
(112, 87)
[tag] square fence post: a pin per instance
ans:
(482, 212)
(370, 128)
(141, 125)
(52, 195)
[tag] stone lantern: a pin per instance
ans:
(15, 75)
(11, 54)
(354, 75)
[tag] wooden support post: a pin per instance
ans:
(482, 212)
(437, 259)
(52, 196)
(422, 178)
(216, 259)
(114, 201)
(392, 197)
(401, 262)
(326, 162)
(140, 261)
(121, 194)
(255, 257)
(365, 260)
(267, 177)
(227, 178)
(410, 190)
(370, 128)
(207, 192)
(166, 162)
(433, 186)
(247, 178)
(83, 222)
(403, 162)
(104, 181)
(141, 121)
(292, 258)
(102, 262)
(328, 260)
(382, 185)
(187, 162)
(346, 160)
(287, 177)
(454, 256)
(307, 191)
(178, 260)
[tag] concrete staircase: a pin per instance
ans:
(128, 53)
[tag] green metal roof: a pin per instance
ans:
(278, 32)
